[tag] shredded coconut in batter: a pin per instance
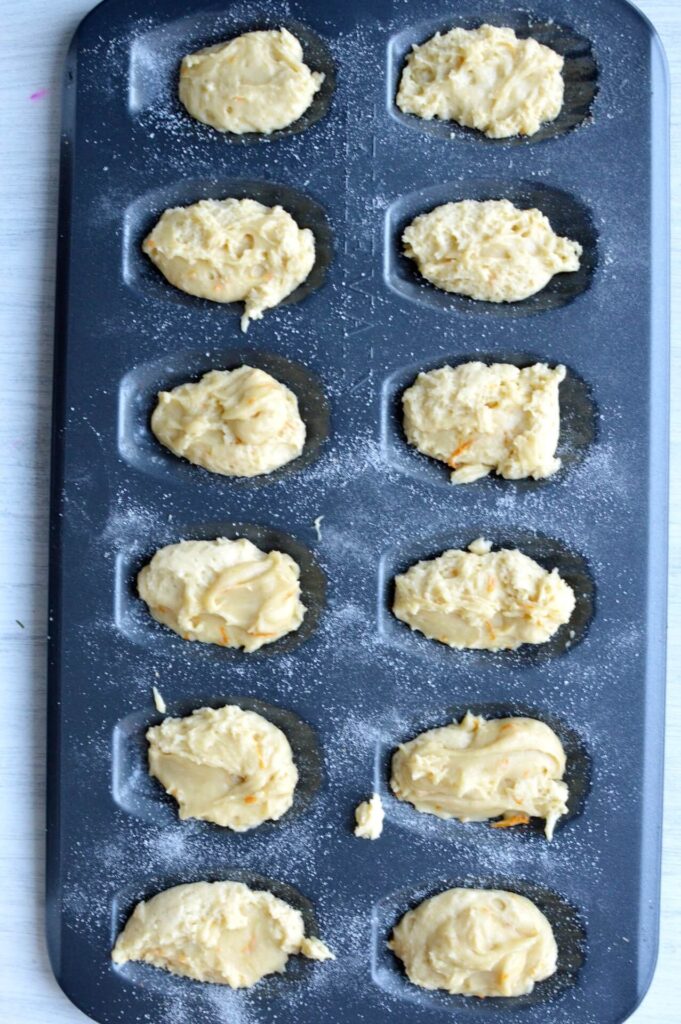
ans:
(232, 250)
(484, 78)
(478, 419)
(257, 82)
(225, 592)
(239, 422)
(221, 932)
(491, 251)
(476, 942)
(477, 769)
(483, 599)
(224, 765)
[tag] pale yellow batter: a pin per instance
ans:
(239, 422)
(476, 942)
(477, 769)
(479, 419)
(232, 250)
(369, 817)
(483, 599)
(224, 765)
(484, 78)
(221, 932)
(491, 251)
(257, 82)
(225, 592)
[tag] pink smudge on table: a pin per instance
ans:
(38, 95)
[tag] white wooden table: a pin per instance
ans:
(33, 41)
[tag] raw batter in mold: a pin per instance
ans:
(224, 765)
(482, 599)
(477, 769)
(232, 250)
(257, 82)
(476, 942)
(484, 78)
(221, 932)
(239, 422)
(225, 592)
(478, 419)
(491, 251)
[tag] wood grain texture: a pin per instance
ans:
(33, 42)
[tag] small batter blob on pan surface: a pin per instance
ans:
(369, 817)
(257, 82)
(478, 769)
(238, 422)
(232, 250)
(483, 599)
(225, 592)
(489, 250)
(476, 942)
(481, 419)
(224, 765)
(484, 78)
(220, 932)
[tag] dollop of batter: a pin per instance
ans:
(484, 78)
(224, 765)
(491, 250)
(221, 932)
(482, 599)
(232, 250)
(476, 942)
(369, 817)
(479, 418)
(477, 769)
(239, 422)
(257, 82)
(225, 592)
